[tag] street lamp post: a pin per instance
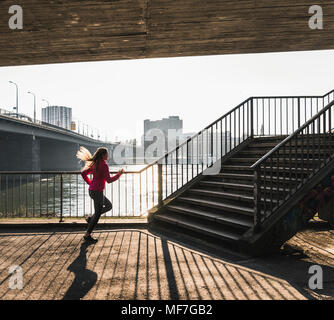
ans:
(17, 98)
(46, 102)
(34, 105)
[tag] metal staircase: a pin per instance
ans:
(235, 182)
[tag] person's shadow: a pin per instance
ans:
(84, 279)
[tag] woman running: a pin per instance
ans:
(97, 166)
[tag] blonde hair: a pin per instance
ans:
(85, 155)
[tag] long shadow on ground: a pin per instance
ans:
(292, 263)
(84, 279)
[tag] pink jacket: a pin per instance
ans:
(99, 177)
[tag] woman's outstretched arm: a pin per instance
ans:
(85, 174)
(110, 178)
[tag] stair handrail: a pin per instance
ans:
(291, 136)
(259, 213)
(311, 96)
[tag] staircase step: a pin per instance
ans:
(262, 146)
(236, 221)
(287, 151)
(265, 139)
(250, 178)
(238, 186)
(218, 205)
(252, 160)
(227, 195)
(256, 152)
(268, 146)
(209, 229)
(293, 170)
(236, 168)
(235, 176)
(216, 193)
(275, 189)
(268, 179)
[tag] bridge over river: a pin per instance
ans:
(37, 146)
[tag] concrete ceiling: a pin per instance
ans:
(71, 30)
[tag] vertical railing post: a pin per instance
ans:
(257, 201)
(159, 184)
(140, 194)
(61, 198)
(177, 167)
(187, 165)
(298, 112)
(211, 145)
(251, 118)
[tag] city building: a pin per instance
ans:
(164, 135)
(58, 115)
(167, 130)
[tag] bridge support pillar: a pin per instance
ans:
(59, 155)
(19, 153)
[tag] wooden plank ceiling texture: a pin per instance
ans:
(71, 30)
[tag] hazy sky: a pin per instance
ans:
(116, 96)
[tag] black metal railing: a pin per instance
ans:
(64, 194)
(292, 164)
(283, 115)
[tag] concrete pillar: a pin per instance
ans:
(19, 152)
(35, 154)
(59, 155)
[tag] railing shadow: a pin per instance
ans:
(84, 279)
(282, 275)
(172, 285)
(136, 264)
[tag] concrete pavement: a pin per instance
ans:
(133, 263)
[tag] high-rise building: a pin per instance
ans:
(58, 116)
(165, 124)
(169, 129)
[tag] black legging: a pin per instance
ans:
(101, 205)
